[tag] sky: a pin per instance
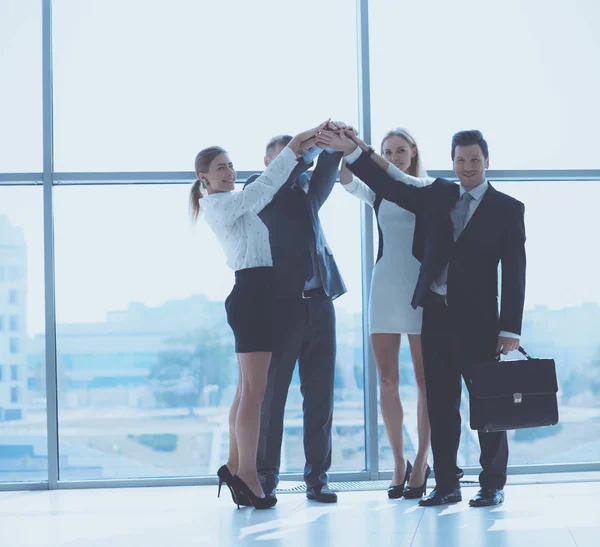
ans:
(144, 85)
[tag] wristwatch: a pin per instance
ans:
(370, 151)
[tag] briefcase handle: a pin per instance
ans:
(520, 349)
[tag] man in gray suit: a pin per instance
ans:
(307, 280)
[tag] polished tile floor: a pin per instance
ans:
(540, 515)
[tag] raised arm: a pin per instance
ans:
(398, 174)
(403, 191)
(229, 207)
(301, 167)
(407, 192)
(323, 177)
(355, 186)
(390, 168)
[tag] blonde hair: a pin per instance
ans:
(201, 165)
(416, 168)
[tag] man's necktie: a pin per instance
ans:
(459, 217)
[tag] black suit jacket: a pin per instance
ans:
(292, 218)
(495, 234)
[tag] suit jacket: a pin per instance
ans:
(292, 218)
(495, 234)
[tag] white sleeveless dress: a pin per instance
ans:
(395, 274)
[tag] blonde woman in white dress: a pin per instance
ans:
(390, 313)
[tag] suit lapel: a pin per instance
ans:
(451, 199)
(481, 213)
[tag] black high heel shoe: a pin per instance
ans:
(226, 477)
(240, 487)
(397, 491)
(414, 492)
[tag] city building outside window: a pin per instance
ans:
(14, 345)
(13, 297)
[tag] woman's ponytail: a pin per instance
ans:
(195, 197)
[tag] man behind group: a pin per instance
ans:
(462, 233)
(307, 280)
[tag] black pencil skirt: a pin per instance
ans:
(249, 309)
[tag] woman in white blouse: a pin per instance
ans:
(390, 314)
(245, 239)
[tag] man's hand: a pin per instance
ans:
(348, 129)
(306, 139)
(336, 140)
(506, 344)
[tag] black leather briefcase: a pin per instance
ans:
(513, 394)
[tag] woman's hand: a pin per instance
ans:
(336, 140)
(306, 139)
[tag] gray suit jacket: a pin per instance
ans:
(292, 218)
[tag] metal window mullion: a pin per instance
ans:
(49, 286)
(20, 179)
(185, 177)
(366, 217)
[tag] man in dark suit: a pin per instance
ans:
(462, 233)
(306, 282)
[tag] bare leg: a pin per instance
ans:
(386, 348)
(418, 474)
(255, 367)
(234, 458)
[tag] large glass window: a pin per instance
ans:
(20, 86)
(179, 76)
(146, 365)
(146, 368)
(439, 67)
(23, 438)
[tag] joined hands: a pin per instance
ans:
(332, 135)
(338, 136)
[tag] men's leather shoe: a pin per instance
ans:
(486, 497)
(438, 497)
(321, 493)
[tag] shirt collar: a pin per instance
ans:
(476, 193)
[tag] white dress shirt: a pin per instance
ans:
(477, 194)
(233, 216)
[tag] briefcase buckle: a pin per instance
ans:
(517, 398)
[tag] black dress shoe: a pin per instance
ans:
(438, 497)
(269, 492)
(397, 491)
(321, 493)
(487, 497)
